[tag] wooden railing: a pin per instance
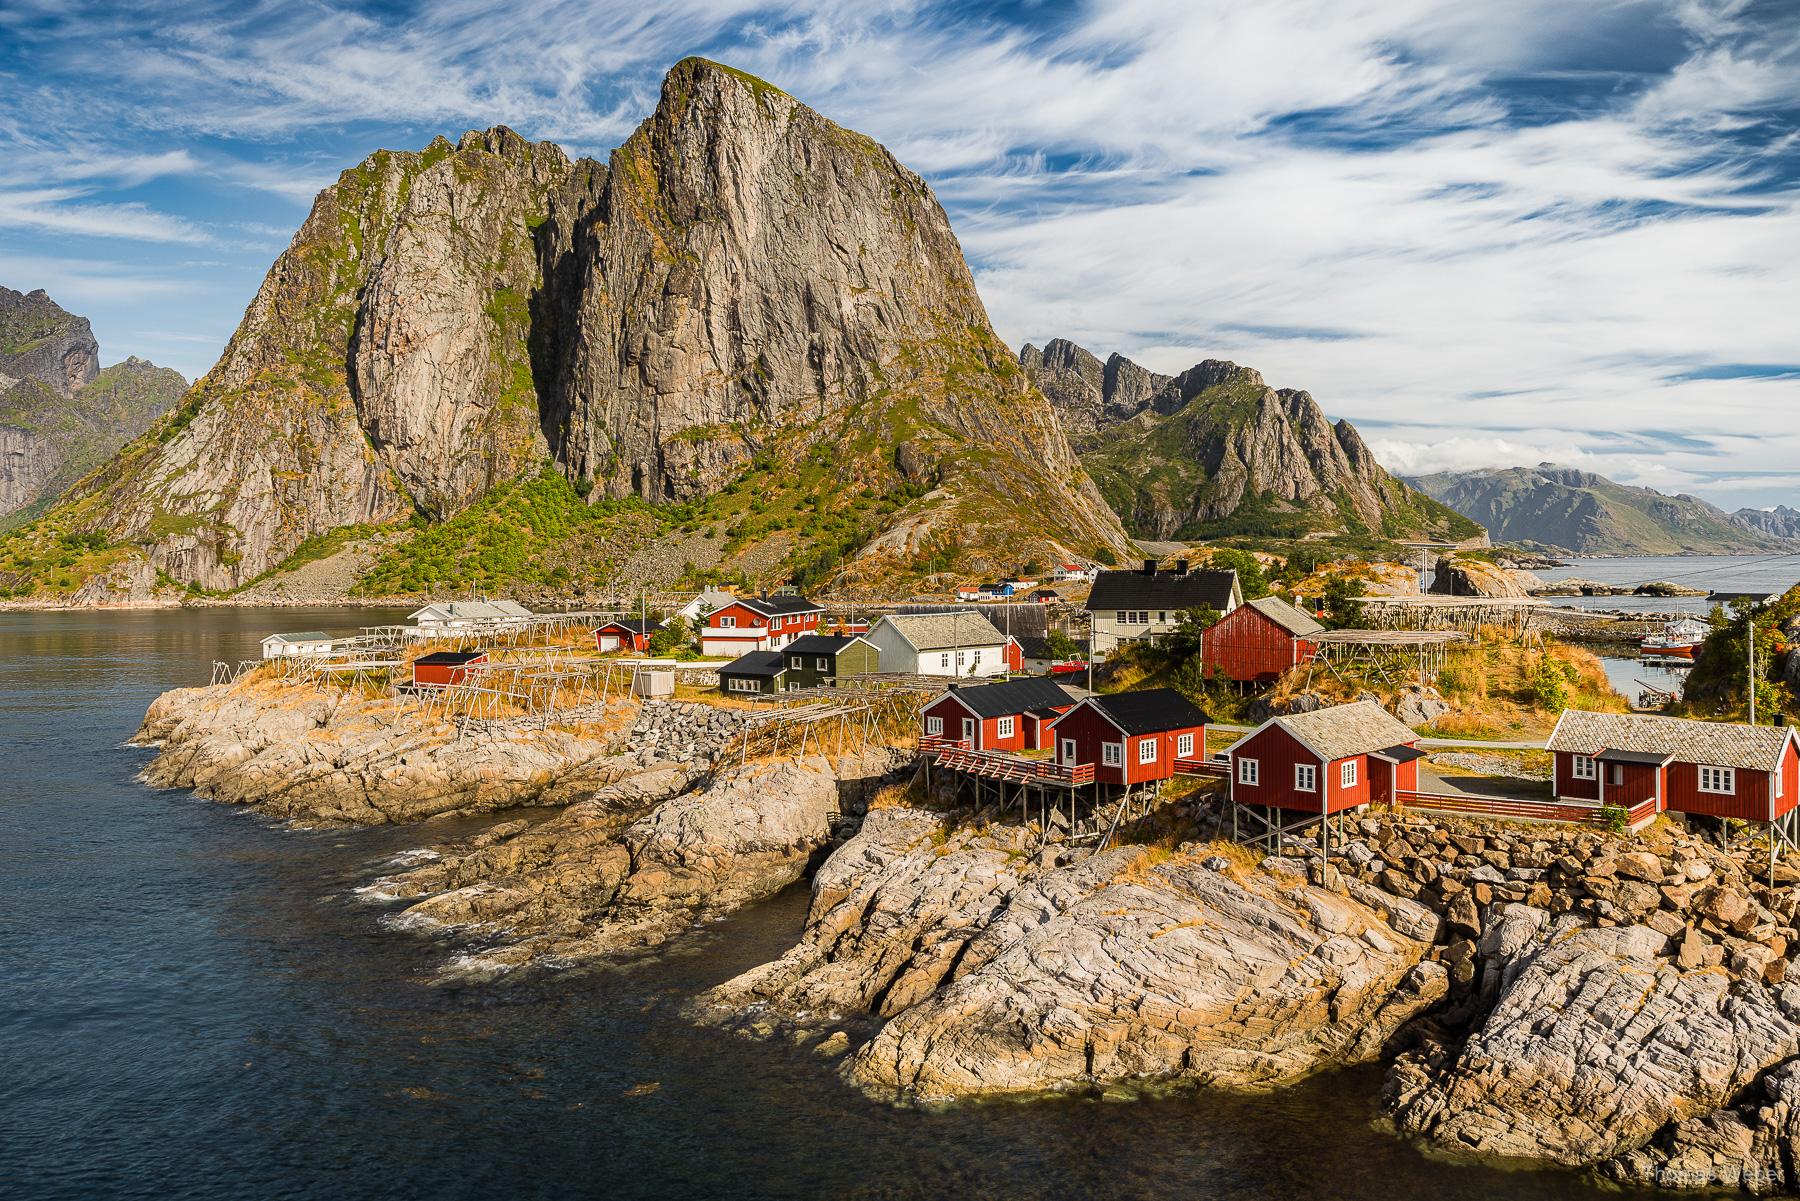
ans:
(954, 754)
(1201, 767)
(1518, 807)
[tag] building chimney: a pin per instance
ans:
(1181, 567)
(1149, 566)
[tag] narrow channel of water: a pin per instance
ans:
(193, 1005)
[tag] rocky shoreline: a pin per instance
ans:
(1618, 1004)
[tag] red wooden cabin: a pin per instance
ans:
(1717, 769)
(1131, 737)
(630, 635)
(1012, 715)
(441, 669)
(1258, 640)
(758, 623)
(1326, 761)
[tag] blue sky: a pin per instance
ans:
(1489, 233)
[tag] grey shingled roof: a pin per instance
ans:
(1295, 622)
(1714, 743)
(942, 631)
(1358, 728)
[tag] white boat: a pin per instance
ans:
(1679, 639)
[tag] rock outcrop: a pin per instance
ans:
(1460, 575)
(639, 860)
(336, 758)
(1089, 395)
(746, 296)
(1597, 1041)
(1005, 972)
(61, 415)
(1216, 451)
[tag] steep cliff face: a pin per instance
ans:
(1779, 522)
(757, 287)
(1090, 395)
(1215, 451)
(1581, 512)
(60, 414)
(40, 341)
(383, 364)
(751, 317)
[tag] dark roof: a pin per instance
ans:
(637, 625)
(1035, 647)
(821, 644)
(756, 663)
(777, 606)
(1013, 696)
(1653, 758)
(449, 658)
(1150, 710)
(1755, 598)
(1115, 590)
(1400, 754)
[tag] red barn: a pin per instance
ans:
(1718, 769)
(1131, 737)
(1012, 715)
(441, 669)
(1258, 640)
(758, 623)
(631, 635)
(1326, 761)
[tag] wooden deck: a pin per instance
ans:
(1518, 809)
(954, 753)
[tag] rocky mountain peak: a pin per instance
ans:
(1087, 394)
(40, 340)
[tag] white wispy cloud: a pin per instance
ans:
(65, 211)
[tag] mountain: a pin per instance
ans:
(1579, 512)
(1779, 522)
(61, 415)
(750, 320)
(1215, 452)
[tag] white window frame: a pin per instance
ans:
(1147, 750)
(1249, 771)
(1112, 754)
(934, 725)
(1780, 782)
(1184, 746)
(822, 662)
(1306, 777)
(944, 659)
(796, 661)
(1347, 774)
(743, 684)
(1718, 780)
(1583, 767)
(1004, 727)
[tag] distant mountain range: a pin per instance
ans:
(61, 414)
(1579, 512)
(1215, 452)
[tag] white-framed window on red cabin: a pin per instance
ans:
(1146, 750)
(1112, 754)
(1004, 727)
(1306, 777)
(1249, 770)
(1184, 746)
(1582, 767)
(934, 725)
(728, 622)
(1718, 779)
(1347, 773)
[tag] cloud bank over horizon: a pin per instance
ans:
(1554, 232)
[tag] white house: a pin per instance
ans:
(307, 642)
(962, 643)
(704, 603)
(1132, 606)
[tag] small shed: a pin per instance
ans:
(307, 642)
(441, 669)
(1012, 715)
(819, 660)
(632, 634)
(1131, 737)
(1326, 761)
(757, 672)
(1258, 640)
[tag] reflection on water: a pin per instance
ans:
(193, 1004)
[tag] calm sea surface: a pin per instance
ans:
(193, 1005)
(1715, 573)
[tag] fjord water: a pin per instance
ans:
(193, 1003)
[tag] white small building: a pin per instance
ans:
(961, 643)
(706, 602)
(307, 642)
(442, 617)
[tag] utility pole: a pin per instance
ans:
(1750, 617)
